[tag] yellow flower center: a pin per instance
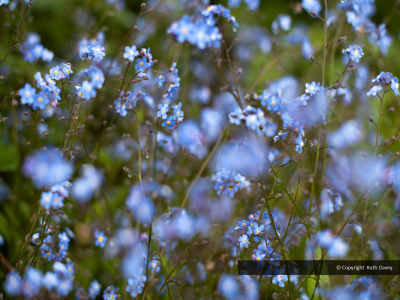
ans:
(220, 187)
(67, 71)
(169, 123)
(273, 103)
(27, 94)
(55, 72)
(258, 258)
(141, 63)
(301, 144)
(131, 52)
(100, 238)
(311, 87)
(40, 99)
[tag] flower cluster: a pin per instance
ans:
(144, 58)
(58, 281)
(228, 183)
(48, 91)
(135, 285)
(55, 197)
(385, 79)
(88, 184)
(251, 4)
(92, 52)
(47, 168)
(203, 32)
(94, 79)
(171, 115)
(358, 14)
(255, 119)
(283, 22)
(32, 50)
(354, 52)
(110, 293)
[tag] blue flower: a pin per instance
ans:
(97, 51)
(141, 64)
(200, 37)
(56, 73)
(27, 94)
(244, 241)
(312, 88)
(258, 255)
(141, 280)
(274, 103)
(169, 123)
(94, 289)
(13, 284)
(219, 187)
(281, 136)
(97, 77)
(242, 225)
(231, 189)
(302, 100)
(64, 239)
(215, 37)
(299, 144)
(178, 114)
(120, 108)
(254, 229)
(163, 110)
(47, 168)
(374, 90)
(58, 201)
(101, 239)
(312, 5)
(50, 280)
(184, 29)
(64, 287)
(280, 280)
(47, 200)
(130, 53)
(134, 288)
(160, 80)
(355, 52)
(62, 189)
(70, 268)
(384, 77)
(252, 4)
(171, 90)
(67, 70)
(40, 101)
(110, 296)
(395, 86)
(87, 90)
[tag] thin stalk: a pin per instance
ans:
(15, 35)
